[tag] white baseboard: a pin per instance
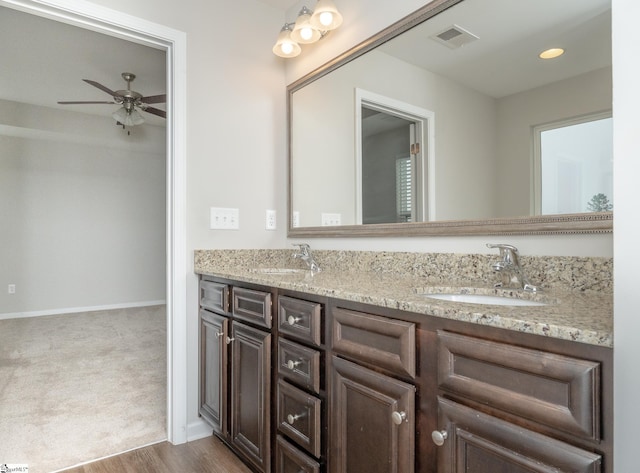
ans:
(198, 430)
(73, 310)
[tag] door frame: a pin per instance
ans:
(424, 160)
(114, 23)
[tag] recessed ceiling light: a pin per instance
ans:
(551, 53)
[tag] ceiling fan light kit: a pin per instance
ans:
(131, 101)
(309, 27)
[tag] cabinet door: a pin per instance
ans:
(250, 394)
(479, 443)
(372, 421)
(213, 370)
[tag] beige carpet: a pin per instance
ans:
(78, 387)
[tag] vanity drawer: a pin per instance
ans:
(375, 340)
(298, 417)
(300, 319)
(214, 296)
(554, 390)
(291, 460)
(299, 364)
(252, 306)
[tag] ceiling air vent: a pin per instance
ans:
(454, 37)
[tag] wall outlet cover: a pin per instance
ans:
(270, 222)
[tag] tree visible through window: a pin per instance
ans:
(576, 166)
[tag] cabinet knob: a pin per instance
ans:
(439, 436)
(229, 340)
(292, 418)
(291, 320)
(292, 364)
(399, 417)
(219, 334)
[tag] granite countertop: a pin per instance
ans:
(581, 316)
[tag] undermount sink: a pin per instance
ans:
(485, 299)
(280, 271)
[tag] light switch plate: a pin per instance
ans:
(330, 219)
(225, 218)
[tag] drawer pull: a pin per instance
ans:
(399, 417)
(229, 340)
(219, 334)
(292, 364)
(439, 436)
(293, 418)
(291, 320)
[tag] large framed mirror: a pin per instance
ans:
(450, 123)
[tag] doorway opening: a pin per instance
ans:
(124, 26)
(394, 160)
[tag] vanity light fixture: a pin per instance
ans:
(309, 27)
(551, 53)
(303, 32)
(285, 46)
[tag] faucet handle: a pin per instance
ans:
(508, 253)
(304, 248)
(503, 246)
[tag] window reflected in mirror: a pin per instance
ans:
(574, 161)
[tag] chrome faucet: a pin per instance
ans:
(509, 269)
(304, 253)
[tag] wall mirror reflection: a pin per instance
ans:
(459, 120)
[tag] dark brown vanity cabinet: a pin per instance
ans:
(300, 393)
(371, 410)
(235, 385)
(334, 386)
(505, 408)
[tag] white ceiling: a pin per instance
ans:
(504, 60)
(284, 4)
(47, 61)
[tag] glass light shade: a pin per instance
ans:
(285, 46)
(128, 119)
(326, 16)
(303, 31)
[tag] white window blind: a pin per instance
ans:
(404, 189)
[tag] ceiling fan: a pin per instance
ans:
(131, 101)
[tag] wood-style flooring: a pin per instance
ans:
(208, 455)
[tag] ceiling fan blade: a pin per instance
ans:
(102, 87)
(156, 111)
(76, 103)
(162, 98)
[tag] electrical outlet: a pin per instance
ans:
(224, 219)
(295, 223)
(330, 219)
(11, 289)
(270, 223)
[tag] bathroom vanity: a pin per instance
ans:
(361, 370)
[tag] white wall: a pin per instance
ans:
(82, 207)
(626, 103)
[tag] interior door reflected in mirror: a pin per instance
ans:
(392, 159)
(466, 79)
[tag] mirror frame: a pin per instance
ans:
(589, 222)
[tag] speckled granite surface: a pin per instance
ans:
(578, 291)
